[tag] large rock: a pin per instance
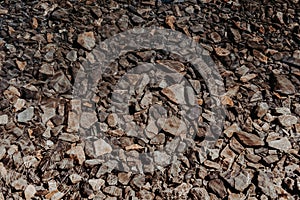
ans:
(250, 139)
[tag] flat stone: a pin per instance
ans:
(287, 120)
(3, 119)
(266, 185)
(72, 55)
(96, 184)
(175, 93)
(68, 137)
(175, 126)
(88, 119)
(29, 192)
(48, 113)
(282, 144)
(112, 120)
(26, 115)
(262, 109)
(248, 77)
(161, 158)
(124, 178)
(284, 85)
(77, 153)
(199, 193)
(87, 40)
(75, 178)
(19, 184)
(101, 147)
(250, 139)
(73, 122)
(113, 191)
(217, 186)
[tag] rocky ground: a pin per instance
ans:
(54, 146)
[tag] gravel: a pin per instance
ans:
(146, 126)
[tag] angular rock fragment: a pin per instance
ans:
(77, 152)
(75, 178)
(3, 119)
(287, 120)
(26, 115)
(284, 85)
(217, 186)
(19, 184)
(266, 185)
(29, 192)
(87, 40)
(87, 119)
(96, 184)
(69, 137)
(262, 109)
(250, 139)
(282, 144)
(102, 147)
(175, 93)
(175, 126)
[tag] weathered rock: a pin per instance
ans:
(26, 115)
(87, 119)
(199, 193)
(266, 185)
(287, 120)
(96, 184)
(262, 109)
(77, 153)
(175, 126)
(68, 137)
(29, 192)
(217, 186)
(19, 184)
(175, 93)
(112, 120)
(250, 139)
(113, 191)
(101, 147)
(87, 40)
(3, 119)
(282, 144)
(284, 85)
(75, 178)
(161, 158)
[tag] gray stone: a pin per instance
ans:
(29, 192)
(87, 119)
(175, 126)
(3, 119)
(26, 115)
(287, 120)
(282, 144)
(19, 184)
(96, 184)
(262, 109)
(72, 55)
(266, 185)
(175, 93)
(162, 158)
(101, 147)
(87, 40)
